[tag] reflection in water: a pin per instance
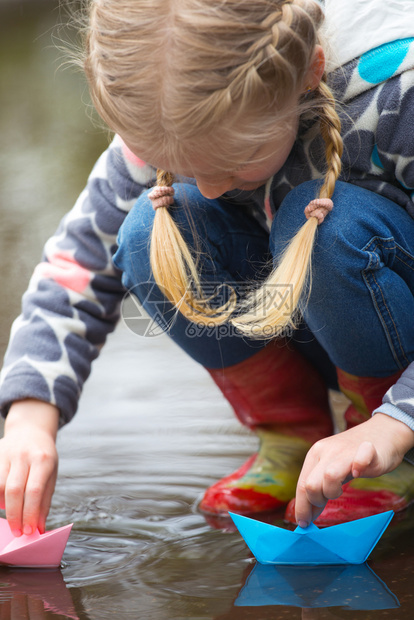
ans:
(351, 587)
(152, 431)
(34, 595)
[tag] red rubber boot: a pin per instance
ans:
(282, 397)
(363, 497)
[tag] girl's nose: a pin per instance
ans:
(214, 190)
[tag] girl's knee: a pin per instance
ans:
(358, 215)
(194, 218)
(133, 251)
(290, 216)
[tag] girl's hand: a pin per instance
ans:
(28, 464)
(368, 450)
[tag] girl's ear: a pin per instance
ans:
(316, 69)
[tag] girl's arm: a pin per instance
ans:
(72, 303)
(378, 445)
(368, 450)
(74, 295)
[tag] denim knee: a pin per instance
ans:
(134, 238)
(233, 247)
(362, 277)
(342, 247)
(228, 243)
(290, 216)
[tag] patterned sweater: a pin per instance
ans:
(74, 295)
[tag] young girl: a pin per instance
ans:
(237, 100)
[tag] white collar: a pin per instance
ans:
(353, 27)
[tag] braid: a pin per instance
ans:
(330, 127)
(281, 54)
(164, 179)
(175, 270)
(295, 263)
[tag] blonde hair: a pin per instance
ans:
(171, 75)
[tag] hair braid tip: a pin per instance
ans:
(319, 208)
(161, 196)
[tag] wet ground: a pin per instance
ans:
(152, 430)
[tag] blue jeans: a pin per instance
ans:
(359, 315)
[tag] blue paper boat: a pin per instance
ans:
(346, 543)
(348, 586)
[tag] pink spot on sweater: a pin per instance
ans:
(63, 269)
(268, 209)
(131, 157)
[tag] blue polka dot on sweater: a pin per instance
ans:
(376, 158)
(381, 63)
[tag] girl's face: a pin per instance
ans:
(261, 166)
(265, 161)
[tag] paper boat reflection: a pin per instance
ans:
(350, 587)
(34, 551)
(44, 591)
(346, 543)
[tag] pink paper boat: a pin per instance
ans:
(34, 551)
